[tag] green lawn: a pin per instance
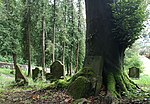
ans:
(7, 82)
(6, 79)
(143, 82)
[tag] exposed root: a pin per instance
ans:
(111, 86)
(119, 85)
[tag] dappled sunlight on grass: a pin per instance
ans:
(143, 82)
(7, 82)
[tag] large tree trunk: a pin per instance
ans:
(104, 57)
(100, 42)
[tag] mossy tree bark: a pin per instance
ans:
(100, 42)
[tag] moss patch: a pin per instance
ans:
(80, 87)
(86, 72)
(83, 83)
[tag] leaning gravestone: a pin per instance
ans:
(57, 69)
(134, 72)
(37, 74)
(20, 79)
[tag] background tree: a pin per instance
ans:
(26, 24)
(29, 16)
(10, 28)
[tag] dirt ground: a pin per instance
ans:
(59, 97)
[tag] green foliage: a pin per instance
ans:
(144, 82)
(5, 71)
(85, 72)
(132, 59)
(10, 27)
(5, 79)
(13, 38)
(128, 18)
(7, 58)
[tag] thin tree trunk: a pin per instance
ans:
(63, 54)
(79, 32)
(77, 57)
(29, 56)
(54, 26)
(65, 32)
(14, 60)
(70, 69)
(43, 44)
(29, 38)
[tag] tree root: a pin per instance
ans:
(119, 85)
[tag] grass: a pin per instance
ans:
(143, 82)
(5, 71)
(6, 79)
(28, 94)
(7, 82)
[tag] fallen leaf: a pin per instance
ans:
(68, 100)
(36, 97)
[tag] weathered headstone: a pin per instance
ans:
(96, 63)
(134, 72)
(20, 79)
(57, 69)
(37, 74)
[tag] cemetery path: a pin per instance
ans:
(146, 64)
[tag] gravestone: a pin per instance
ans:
(20, 79)
(37, 74)
(96, 63)
(134, 72)
(57, 69)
